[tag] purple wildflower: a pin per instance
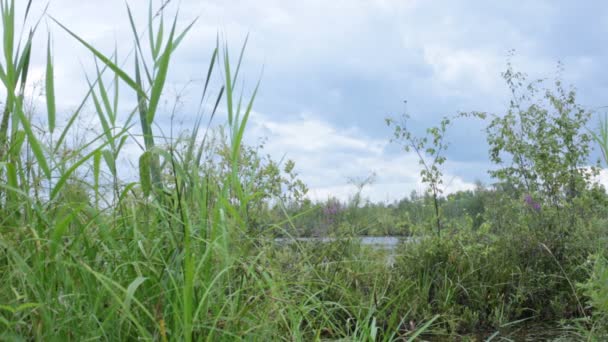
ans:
(532, 204)
(332, 209)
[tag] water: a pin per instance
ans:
(388, 242)
(385, 242)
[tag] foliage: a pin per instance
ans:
(596, 286)
(480, 279)
(168, 257)
(596, 289)
(540, 144)
(177, 254)
(430, 150)
(261, 177)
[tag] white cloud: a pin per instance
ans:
(602, 178)
(327, 157)
(462, 68)
(308, 134)
(424, 51)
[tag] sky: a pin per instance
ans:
(331, 71)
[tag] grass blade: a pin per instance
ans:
(137, 41)
(50, 88)
(161, 76)
(34, 143)
(144, 173)
(123, 75)
(422, 329)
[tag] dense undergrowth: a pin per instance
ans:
(187, 252)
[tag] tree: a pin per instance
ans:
(430, 150)
(540, 144)
(263, 178)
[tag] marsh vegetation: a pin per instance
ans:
(188, 249)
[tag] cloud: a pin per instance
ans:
(309, 134)
(602, 178)
(334, 70)
(459, 69)
(328, 157)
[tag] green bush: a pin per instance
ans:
(480, 281)
(596, 290)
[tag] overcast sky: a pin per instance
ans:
(333, 70)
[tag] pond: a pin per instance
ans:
(386, 242)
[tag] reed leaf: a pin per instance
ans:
(50, 88)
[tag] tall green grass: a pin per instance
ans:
(164, 258)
